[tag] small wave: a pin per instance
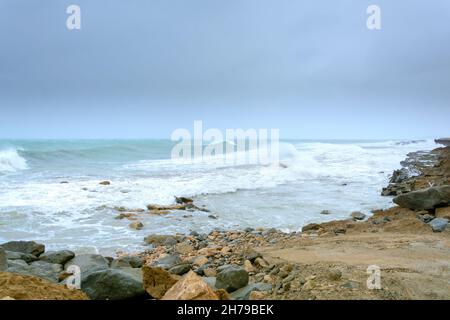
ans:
(11, 161)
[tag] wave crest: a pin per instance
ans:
(11, 161)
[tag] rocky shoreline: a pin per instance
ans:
(409, 242)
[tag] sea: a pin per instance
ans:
(50, 191)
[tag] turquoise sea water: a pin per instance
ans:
(340, 176)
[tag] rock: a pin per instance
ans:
(248, 266)
(425, 199)
(311, 227)
(88, 263)
(133, 261)
(200, 261)
(105, 183)
(3, 261)
(40, 269)
(180, 269)
(325, 212)
(190, 287)
(137, 225)
(29, 247)
(169, 261)
(443, 213)
(59, 257)
(181, 200)
(25, 287)
(161, 240)
(357, 215)
(438, 224)
(184, 248)
(399, 176)
(11, 255)
(231, 278)
(112, 284)
(17, 263)
(244, 293)
(157, 281)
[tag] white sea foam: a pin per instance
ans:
(11, 161)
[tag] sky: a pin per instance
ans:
(141, 69)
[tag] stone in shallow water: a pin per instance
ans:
(357, 215)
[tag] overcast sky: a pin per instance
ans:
(140, 69)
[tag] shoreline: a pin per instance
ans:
(324, 261)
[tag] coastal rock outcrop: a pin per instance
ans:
(88, 263)
(3, 261)
(426, 199)
(59, 257)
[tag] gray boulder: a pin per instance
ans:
(438, 224)
(231, 278)
(3, 261)
(88, 263)
(244, 293)
(59, 257)
(425, 199)
(11, 255)
(112, 284)
(40, 269)
(29, 247)
(180, 269)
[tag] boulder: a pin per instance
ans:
(88, 263)
(29, 247)
(231, 278)
(190, 287)
(425, 199)
(438, 224)
(244, 293)
(3, 261)
(325, 212)
(181, 200)
(357, 215)
(105, 183)
(112, 284)
(117, 264)
(11, 255)
(60, 257)
(40, 269)
(156, 281)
